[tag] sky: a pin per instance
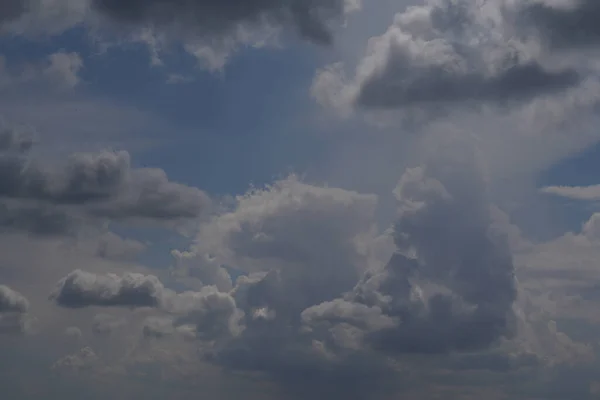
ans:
(300, 199)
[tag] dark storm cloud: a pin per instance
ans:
(213, 18)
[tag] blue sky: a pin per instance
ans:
(299, 199)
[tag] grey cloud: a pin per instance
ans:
(84, 359)
(73, 332)
(106, 324)
(149, 195)
(214, 314)
(587, 193)
(342, 311)
(158, 327)
(84, 289)
(428, 59)
(299, 244)
(566, 26)
(450, 53)
(450, 285)
(457, 291)
(403, 85)
(53, 198)
(85, 177)
(111, 246)
(13, 311)
(219, 18)
(57, 72)
(208, 30)
(12, 301)
(306, 235)
(14, 139)
(37, 219)
(12, 9)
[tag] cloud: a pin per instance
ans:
(13, 311)
(447, 293)
(206, 29)
(59, 71)
(158, 327)
(293, 227)
(54, 197)
(214, 314)
(568, 25)
(11, 9)
(585, 193)
(84, 289)
(446, 54)
(106, 324)
(84, 359)
(15, 139)
(214, 19)
(74, 333)
(34, 18)
(111, 246)
(449, 290)
(12, 301)
(211, 313)
(450, 286)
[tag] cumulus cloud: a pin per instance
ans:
(13, 311)
(450, 285)
(214, 314)
(84, 289)
(46, 197)
(448, 288)
(297, 228)
(455, 53)
(586, 193)
(211, 313)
